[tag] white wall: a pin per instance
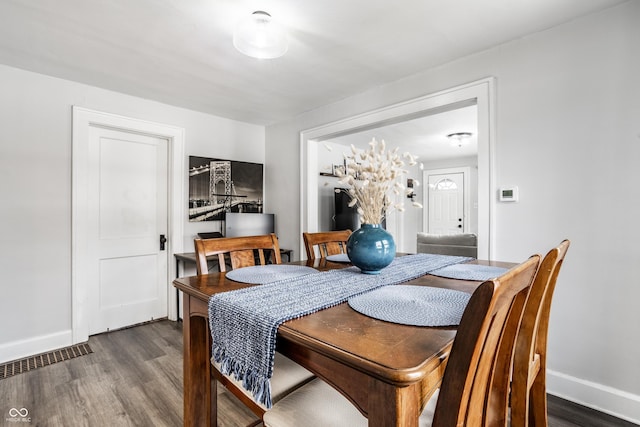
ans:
(568, 134)
(35, 194)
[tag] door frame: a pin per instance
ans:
(83, 120)
(480, 92)
(466, 195)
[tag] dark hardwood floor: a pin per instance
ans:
(134, 378)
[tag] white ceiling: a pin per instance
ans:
(180, 51)
(425, 137)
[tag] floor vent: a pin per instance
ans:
(27, 364)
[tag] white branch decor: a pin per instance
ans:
(371, 175)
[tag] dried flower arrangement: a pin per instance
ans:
(371, 175)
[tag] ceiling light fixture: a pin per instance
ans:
(259, 36)
(459, 139)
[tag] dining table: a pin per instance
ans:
(387, 370)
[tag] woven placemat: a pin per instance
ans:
(339, 258)
(469, 272)
(261, 274)
(412, 305)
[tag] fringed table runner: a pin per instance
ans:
(244, 322)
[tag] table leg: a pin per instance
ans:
(178, 291)
(391, 406)
(200, 406)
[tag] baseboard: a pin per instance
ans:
(609, 400)
(20, 349)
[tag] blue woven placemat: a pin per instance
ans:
(412, 305)
(261, 274)
(469, 272)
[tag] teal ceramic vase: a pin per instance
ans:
(371, 248)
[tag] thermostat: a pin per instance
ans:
(509, 194)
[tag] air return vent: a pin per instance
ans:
(27, 364)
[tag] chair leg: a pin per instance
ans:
(538, 404)
(519, 401)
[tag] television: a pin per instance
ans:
(248, 224)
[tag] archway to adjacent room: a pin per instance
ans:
(479, 93)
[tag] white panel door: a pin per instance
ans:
(127, 214)
(446, 203)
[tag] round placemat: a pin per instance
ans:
(412, 305)
(469, 272)
(338, 258)
(261, 274)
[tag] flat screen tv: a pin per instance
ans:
(248, 224)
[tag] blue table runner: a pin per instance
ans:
(244, 322)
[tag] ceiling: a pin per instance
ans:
(180, 52)
(425, 137)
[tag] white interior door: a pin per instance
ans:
(127, 206)
(445, 205)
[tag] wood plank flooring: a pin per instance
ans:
(134, 378)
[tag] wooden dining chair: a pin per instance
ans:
(528, 388)
(326, 242)
(237, 251)
(475, 386)
(242, 252)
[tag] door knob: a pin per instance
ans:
(163, 240)
(459, 225)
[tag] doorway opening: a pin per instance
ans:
(478, 93)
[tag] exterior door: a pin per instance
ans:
(127, 206)
(445, 204)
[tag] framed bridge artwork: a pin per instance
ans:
(218, 186)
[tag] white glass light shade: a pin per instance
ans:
(259, 36)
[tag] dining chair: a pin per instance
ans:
(326, 242)
(237, 251)
(528, 388)
(475, 386)
(245, 252)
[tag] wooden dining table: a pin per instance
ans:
(387, 370)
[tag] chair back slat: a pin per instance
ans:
(326, 242)
(482, 349)
(528, 389)
(237, 251)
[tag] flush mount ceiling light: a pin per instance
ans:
(259, 36)
(459, 139)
